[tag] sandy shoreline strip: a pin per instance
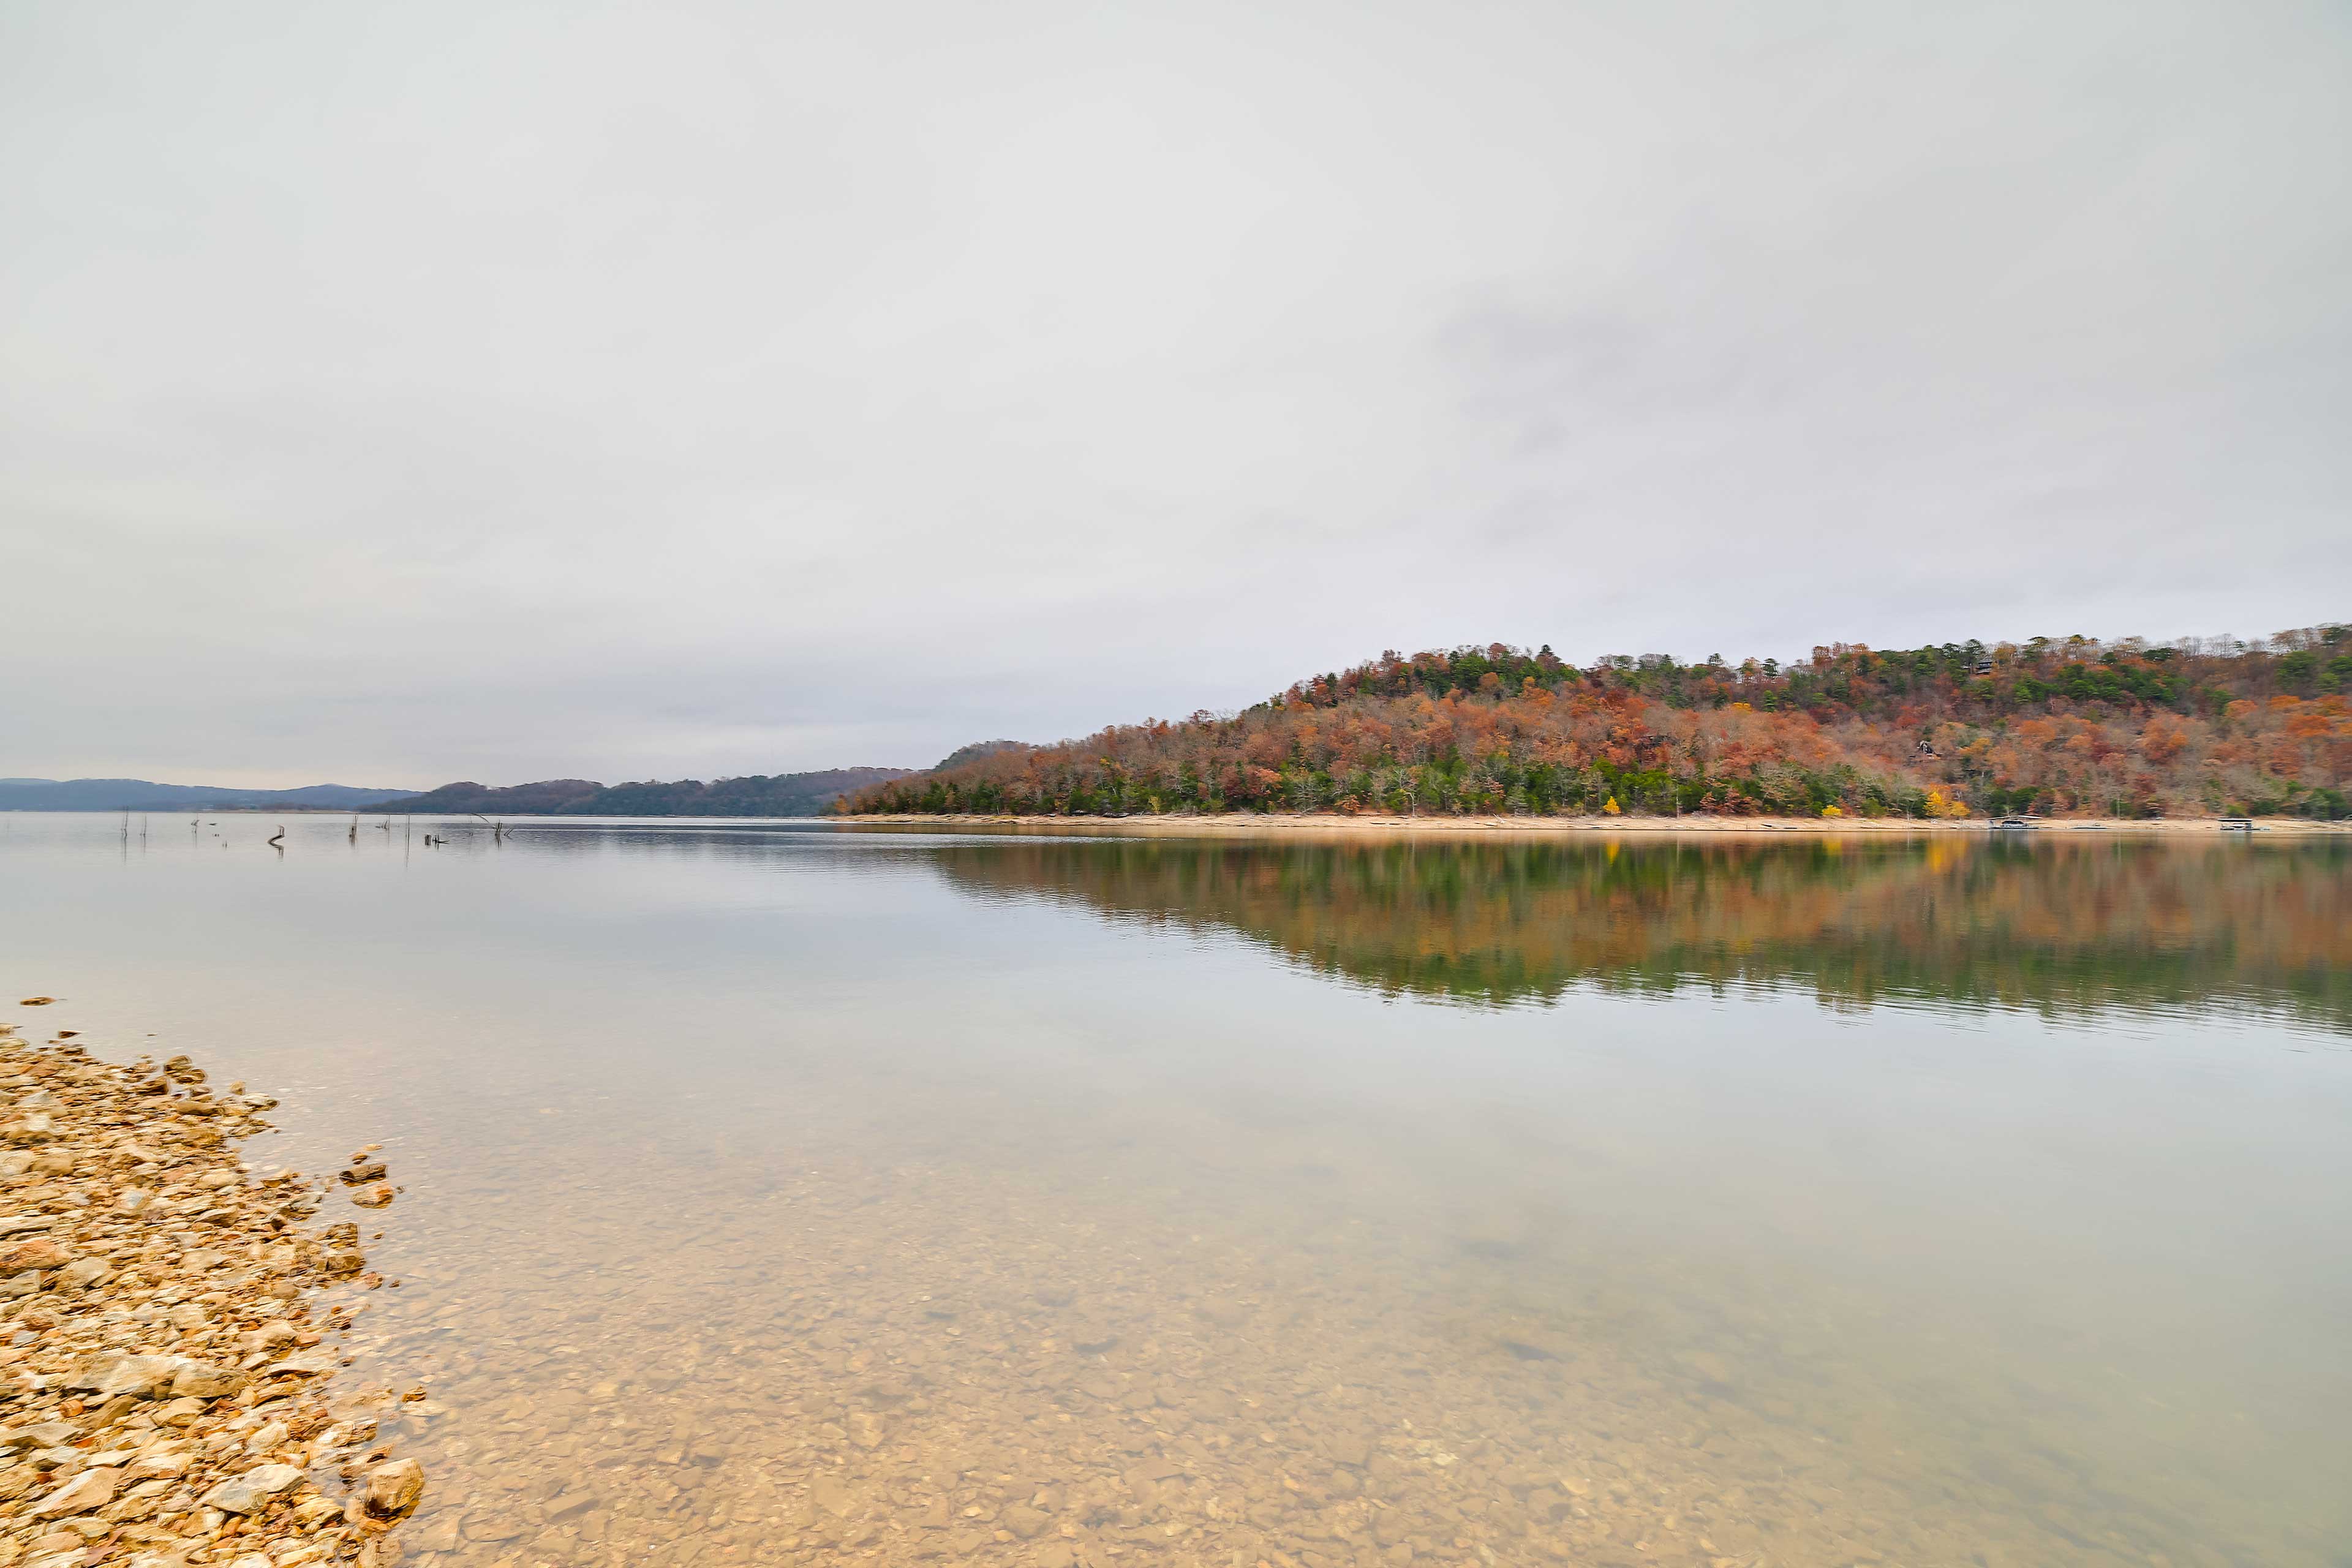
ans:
(1289, 824)
(165, 1362)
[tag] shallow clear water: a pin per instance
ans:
(780, 1193)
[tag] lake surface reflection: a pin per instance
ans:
(794, 1193)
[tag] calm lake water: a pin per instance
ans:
(788, 1194)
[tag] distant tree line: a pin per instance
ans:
(757, 794)
(2065, 726)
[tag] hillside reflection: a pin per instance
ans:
(2067, 926)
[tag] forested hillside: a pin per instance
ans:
(144, 795)
(2060, 726)
(756, 794)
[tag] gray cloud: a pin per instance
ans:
(504, 390)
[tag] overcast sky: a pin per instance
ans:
(398, 393)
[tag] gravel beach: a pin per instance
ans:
(167, 1360)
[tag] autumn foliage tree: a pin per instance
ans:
(2060, 726)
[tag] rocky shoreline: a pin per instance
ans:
(166, 1355)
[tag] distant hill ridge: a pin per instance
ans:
(2060, 726)
(144, 794)
(756, 794)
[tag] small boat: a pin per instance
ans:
(2014, 824)
(2239, 824)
